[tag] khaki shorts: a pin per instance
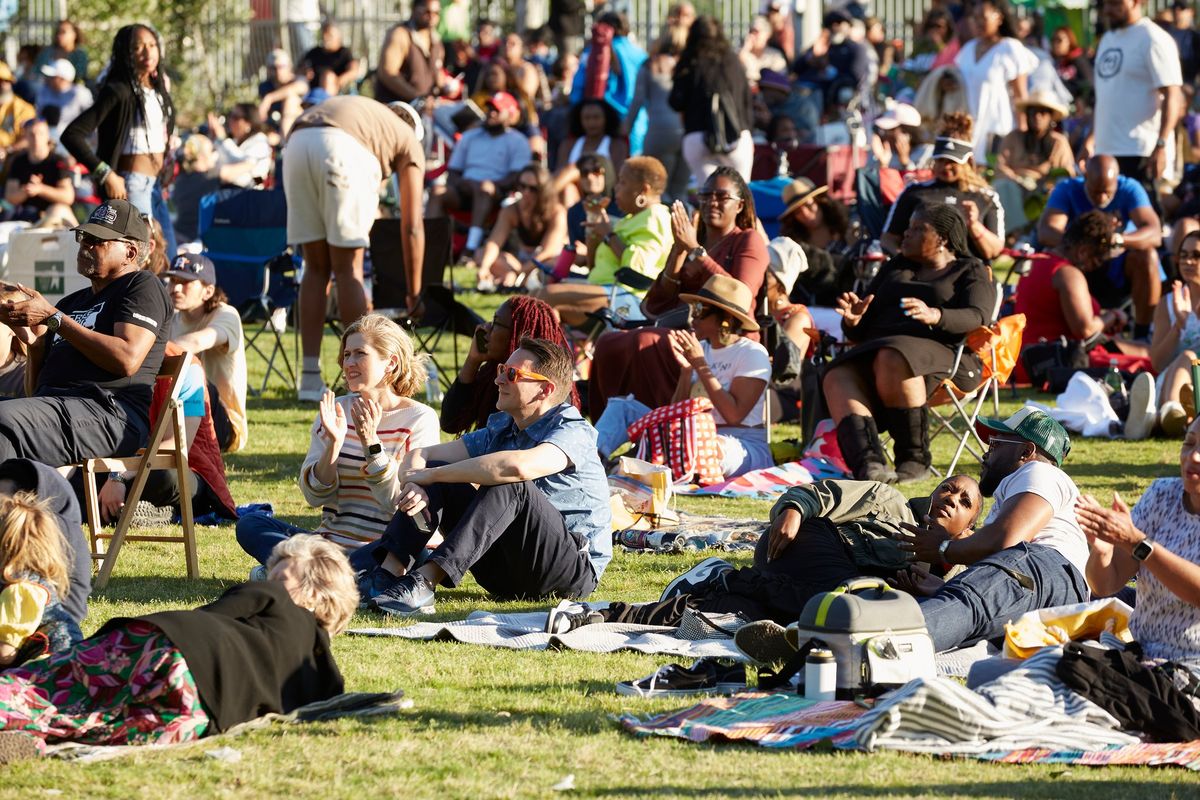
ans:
(332, 187)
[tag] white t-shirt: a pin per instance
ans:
(987, 82)
(224, 365)
(1132, 63)
(1050, 483)
(481, 156)
(742, 359)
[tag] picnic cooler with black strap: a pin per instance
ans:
(877, 635)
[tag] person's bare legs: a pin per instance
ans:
(346, 264)
(895, 383)
(314, 293)
(1177, 375)
(847, 393)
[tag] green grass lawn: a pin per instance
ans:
(495, 723)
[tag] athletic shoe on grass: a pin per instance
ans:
(409, 595)
(764, 641)
(564, 619)
(699, 576)
(706, 676)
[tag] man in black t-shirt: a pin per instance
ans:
(96, 355)
(331, 65)
(39, 183)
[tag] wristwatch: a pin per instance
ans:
(117, 477)
(1161, 143)
(53, 322)
(1118, 240)
(697, 253)
(374, 449)
(1143, 549)
(942, 551)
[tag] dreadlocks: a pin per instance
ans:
(534, 319)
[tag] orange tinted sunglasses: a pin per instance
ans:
(512, 373)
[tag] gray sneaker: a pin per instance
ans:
(409, 595)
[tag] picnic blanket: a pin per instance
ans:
(767, 720)
(527, 632)
(348, 704)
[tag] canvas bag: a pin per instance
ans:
(683, 436)
(877, 636)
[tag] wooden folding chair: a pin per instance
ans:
(167, 449)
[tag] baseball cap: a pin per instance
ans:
(59, 68)
(116, 219)
(278, 58)
(505, 103)
(1032, 425)
(956, 150)
(787, 260)
(897, 115)
(193, 267)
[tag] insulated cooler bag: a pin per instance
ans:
(877, 636)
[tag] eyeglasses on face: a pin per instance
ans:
(721, 198)
(1189, 255)
(511, 374)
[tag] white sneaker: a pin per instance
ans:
(312, 387)
(1172, 419)
(486, 286)
(1142, 416)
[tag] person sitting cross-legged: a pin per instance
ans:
(1030, 552)
(522, 504)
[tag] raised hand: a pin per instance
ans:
(1112, 525)
(333, 422)
(683, 228)
(366, 414)
(852, 308)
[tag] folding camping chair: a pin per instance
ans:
(158, 454)
(443, 313)
(998, 347)
(245, 235)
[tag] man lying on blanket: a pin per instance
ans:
(522, 503)
(1029, 554)
(823, 534)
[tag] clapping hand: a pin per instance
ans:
(333, 422)
(1113, 526)
(852, 308)
(683, 228)
(687, 349)
(366, 414)
(1181, 303)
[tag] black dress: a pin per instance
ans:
(965, 293)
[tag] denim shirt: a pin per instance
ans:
(579, 492)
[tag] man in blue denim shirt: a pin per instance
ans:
(536, 521)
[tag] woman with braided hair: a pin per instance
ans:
(133, 119)
(471, 399)
(906, 329)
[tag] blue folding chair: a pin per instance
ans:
(244, 232)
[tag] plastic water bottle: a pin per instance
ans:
(1113, 383)
(433, 384)
(820, 675)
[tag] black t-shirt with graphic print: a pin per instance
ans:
(138, 298)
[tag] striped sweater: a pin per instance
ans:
(362, 500)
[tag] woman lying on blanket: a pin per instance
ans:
(174, 676)
(822, 535)
(1159, 544)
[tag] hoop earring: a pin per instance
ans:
(640, 201)
(725, 336)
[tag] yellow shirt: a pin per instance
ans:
(21, 607)
(13, 116)
(647, 237)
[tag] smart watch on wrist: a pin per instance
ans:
(1143, 549)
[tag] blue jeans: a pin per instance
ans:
(1003, 586)
(259, 533)
(145, 194)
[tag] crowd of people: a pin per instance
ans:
(614, 192)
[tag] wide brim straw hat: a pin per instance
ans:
(1046, 100)
(797, 193)
(728, 294)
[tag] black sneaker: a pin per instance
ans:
(706, 676)
(409, 595)
(373, 582)
(696, 578)
(764, 641)
(562, 619)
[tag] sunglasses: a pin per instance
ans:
(702, 310)
(596, 170)
(721, 198)
(511, 374)
(993, 441)
(87, 240)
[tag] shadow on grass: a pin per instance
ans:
(1013, 788)
(181, 592)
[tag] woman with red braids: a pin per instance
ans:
(471, 400)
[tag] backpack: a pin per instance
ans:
(683, 436)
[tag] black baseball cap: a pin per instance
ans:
(193, 267)
(116, 219)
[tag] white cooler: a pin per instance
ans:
(44, 260)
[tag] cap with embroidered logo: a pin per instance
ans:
(193, 267)
(116, 219)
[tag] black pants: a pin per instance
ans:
(59, 430)
(509, 537)
(814, 563)
(162, 489)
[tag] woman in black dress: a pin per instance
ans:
(915, 313)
